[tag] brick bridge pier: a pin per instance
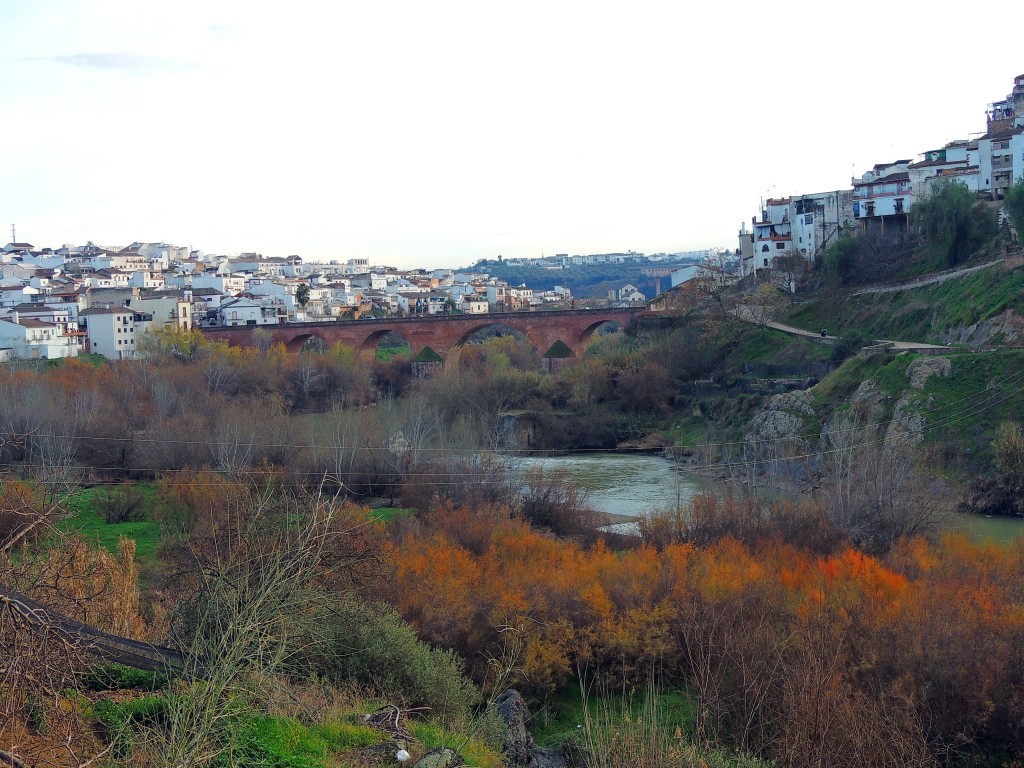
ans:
(444, 334)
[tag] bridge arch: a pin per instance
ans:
(496, 321)
(587, 334)
(296, 343)
(369, 345)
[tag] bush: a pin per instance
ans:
(1014, 207)
(126, 504)
(114, 677)
(847, 346)
(121, 720)
(372, 645)
(840, 260)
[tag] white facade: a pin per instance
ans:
(999, 161)
(882, 198)
(474, 305)
(230, 283)
(114, 332)
(817, 220)
(35, 340)
(773, 233)
(267, 311)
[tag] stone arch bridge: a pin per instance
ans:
(444, 334)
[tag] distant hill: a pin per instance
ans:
(585, 281)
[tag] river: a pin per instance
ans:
(634, 485)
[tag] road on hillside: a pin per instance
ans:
(752, 314)
(932, 280)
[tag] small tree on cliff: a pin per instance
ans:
(953, 221)
(1013, 205)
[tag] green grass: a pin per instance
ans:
(390, 514)
(86, 519)
(387, 354)
(115, 677)
(475, 751)
(766, 345)
(921, 314)
(286, 743)
(562, 717)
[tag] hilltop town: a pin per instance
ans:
(801, 227)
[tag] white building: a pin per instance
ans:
(773, 233)
(249, 311)
(230, 283)
(882, 198)
(474, 304)
(957, 160)
(114, 332)
(630, 292)
(818, 219)
(33, 339)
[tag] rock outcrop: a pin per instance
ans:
(519, 747)
(442, 757)
(516, 740)
(784, 416)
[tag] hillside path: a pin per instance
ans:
(930, 280)
(749, 314)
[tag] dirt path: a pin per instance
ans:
(750, 315)
(931, 280)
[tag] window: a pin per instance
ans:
(764, 248)
(808, 219)
(766, 262)
(780, 246)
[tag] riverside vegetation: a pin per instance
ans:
(320, 537)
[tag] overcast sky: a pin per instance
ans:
(436, 133)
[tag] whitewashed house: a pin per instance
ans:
(114, 332)
(773, 233)
(33, 339)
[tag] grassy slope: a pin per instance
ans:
(86, 519)
(920, 314)
(961, 411)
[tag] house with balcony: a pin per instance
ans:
(32, 339)
(773, 232)
(1000, 161)
(62, 315)
(882, 199)
(957, 160)
(248, 310)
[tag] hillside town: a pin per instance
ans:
(66, 301)
(879, 202)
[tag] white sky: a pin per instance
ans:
(436, 133)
